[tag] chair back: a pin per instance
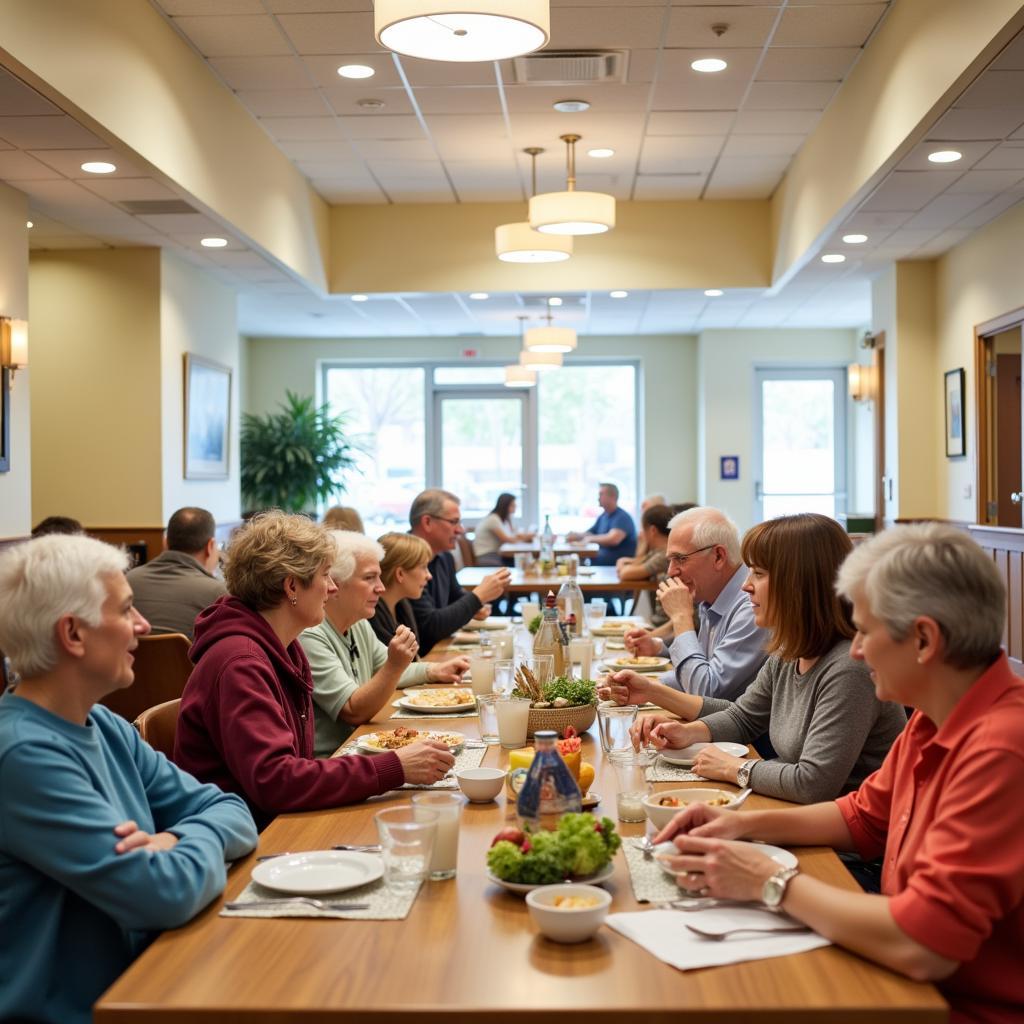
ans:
(466, 550)
(161, 670)
(158, 725)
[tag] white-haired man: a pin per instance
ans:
(354, 675)
(716, 649)
(102, 840)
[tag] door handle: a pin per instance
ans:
(1016, 497)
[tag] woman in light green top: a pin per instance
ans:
(354, 675)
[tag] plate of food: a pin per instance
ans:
(638, 663)
(394, 739)
(685, 756)
(438, 702)
(318, 871)
(494, 622)
(615, 627)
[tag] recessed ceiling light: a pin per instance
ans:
(854, 239)
(371, 104)
(833, 257)
(213, 243)
(98, 167)
(356, 71)
(571, 106)
(360, 298)
(618, 294)
(600, 154)
(945, 156)
(479, 296)
(709, 65)
(713, 293)
(29, 224)
(555, 301)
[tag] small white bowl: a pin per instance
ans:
(480, 784)
(661, 816)
(570, 925)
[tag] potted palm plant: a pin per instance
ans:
(294, 458)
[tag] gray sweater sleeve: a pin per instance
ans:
(742, 720)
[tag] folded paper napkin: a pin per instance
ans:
(664, 933)
(385, 905)
(650, 883)
(468, 757)
(661, 771)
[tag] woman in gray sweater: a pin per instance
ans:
(817, 705)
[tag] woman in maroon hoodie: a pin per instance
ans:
(246, 720)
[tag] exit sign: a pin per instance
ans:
(470, 353)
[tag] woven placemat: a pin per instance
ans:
(662, 771)
(468, 757)
(385, 905)
(650, 883)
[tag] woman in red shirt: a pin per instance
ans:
(944, 809)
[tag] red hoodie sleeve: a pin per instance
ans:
(261, 752)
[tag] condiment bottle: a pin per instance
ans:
(549, 790)
(550, 639)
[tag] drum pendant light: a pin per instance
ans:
(549, 339)
(462, 30)
(519, 243)
(571, 212)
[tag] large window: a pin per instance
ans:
(457, 427)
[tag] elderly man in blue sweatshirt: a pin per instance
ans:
(103, 841)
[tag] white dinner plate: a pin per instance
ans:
(319, 871)
(524, 887)
(615, 665)
(615, 627)
(685, 756)
(366, 743)
(781, 857)
(447, 709)
(492, 623)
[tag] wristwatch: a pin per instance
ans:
(743, 773)
(773, 892)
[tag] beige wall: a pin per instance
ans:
(668, 365)
(197, 315)
(16, 485)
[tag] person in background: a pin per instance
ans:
(57, 524)
(654, 531)
(341, 518)
(246, 720)
(404, 572)
(103, 842)
(613, 531)
(641, 546)
(944, 811)
(173, 588)
(817, 705)
(355, 676)
(444, 606)
(496, 529)
(715, 646)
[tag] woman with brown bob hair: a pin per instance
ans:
(246, 719)
(817, 705)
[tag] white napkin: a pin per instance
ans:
(664, 933)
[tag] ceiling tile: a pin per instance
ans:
(57, 132)
(395, 149)
(917, 158)
(323, 149)
(977, 123)
(479, 127)
(65, 200)
(428, 172)
(909, 190)
(301, 129)
(123, 190)
(807, 64)
(262, 72)
(668, 186)
(994, 89)
(790, 95)
(763, 145)
(1012, 57)
(992, 209)
(20, 100)
(346, 102)
(690, 122)
(324, 71)
(944, 211)
(284, 102)
(835, 25)
(18, 166)
(350, 170)
(317, 6)
(786, 122)
(683, 154)
(330, 33)
(602, 98)
(573, 28)
(471, 99)
(991, 182)
(182, 224)
(470, 147)
(439, 72)
(748, 26)
(345, 192)
(745, 178)
(182, 7)
(390, 126)
(246, 35)
(1006, 156)
(69, 163)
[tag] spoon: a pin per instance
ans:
(646, 847)
(719, 936)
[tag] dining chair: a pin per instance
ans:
(158, 725)
(161, 670)
(466, 550)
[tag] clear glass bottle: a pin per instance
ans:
(570, 606)
(547, 543)
(550, 637)
(549, 790)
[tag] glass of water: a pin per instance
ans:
(407, 836)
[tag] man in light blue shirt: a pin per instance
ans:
(716, 649)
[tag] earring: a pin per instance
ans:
(295, 601)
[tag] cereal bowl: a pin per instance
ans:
(568, 923)
(480, 784)
(661, 815)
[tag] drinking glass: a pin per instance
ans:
(631, 776)
(481, 672)
(448, 808)
(581, 652)
(541, 665)
(407, 837)
(504, 676)
(595, 613)
(614, 722)
(529, 611)
(513, 721)
(502, 643)
(487, 709)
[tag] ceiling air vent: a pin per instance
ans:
(149, 207)
(571, 67)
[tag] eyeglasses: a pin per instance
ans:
(679, 560)
(451, 522)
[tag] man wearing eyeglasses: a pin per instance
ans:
(716, 649)
(444, 606)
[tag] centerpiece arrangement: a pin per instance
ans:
(558, 704)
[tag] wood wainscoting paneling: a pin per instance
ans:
(1006, 547)
(151, 536)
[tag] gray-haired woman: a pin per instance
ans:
(355, 676)
(945, 807)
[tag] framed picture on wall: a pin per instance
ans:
(956, 440)
(5, 421)
(207, 418)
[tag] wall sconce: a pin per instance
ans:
(13, 345)
(861, 382)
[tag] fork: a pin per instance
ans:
(719, 936)
(305, 900)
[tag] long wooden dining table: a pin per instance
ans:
(468, 950)
(591, 579)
